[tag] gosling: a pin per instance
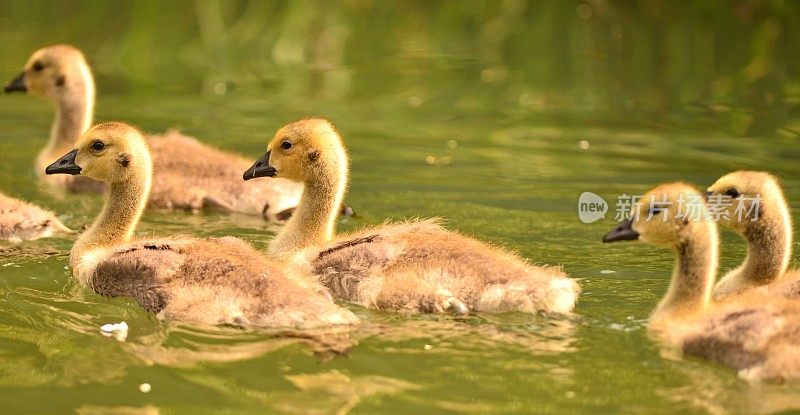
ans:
(208, 281)
(752, 204)
(23, 221)
(415, 266)
(188, 175)
(756, 334)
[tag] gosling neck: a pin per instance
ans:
(769, 244)
(694, 273)
(314, 221)
(74, 113)
(124, 205)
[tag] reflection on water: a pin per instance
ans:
(186, 347)
(117, 410)
(337, 391)
(74, 356)
(720, 395)
(494, 115)
(51, 339)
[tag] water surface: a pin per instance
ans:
(494, 116)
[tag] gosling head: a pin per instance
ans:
(667, 215)
(301, 151)
(743, 198)
(110, 152)
(53, 71)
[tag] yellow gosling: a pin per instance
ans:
(188, 174)
(755, 333)
(211, 281)
(22, 221)
(416, 266)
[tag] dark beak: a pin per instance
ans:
(707, 195)
(260, 169)
(65, 165)
(17, 84)
(623, 232)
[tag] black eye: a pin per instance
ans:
(98, 145)
(286, 144)
(37, 66)
(732, 193)
(657, 208)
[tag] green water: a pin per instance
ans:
(470, 111)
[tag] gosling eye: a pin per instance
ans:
(37, 66)
(732, 192)
(98, 145)
(657, 208)
(286, 144)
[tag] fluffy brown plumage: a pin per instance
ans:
(192, 176)
(420, 266)
(22, 221)
(758, 335)
(188, 175)
(755, 333)
(416, 266)
(212, 281)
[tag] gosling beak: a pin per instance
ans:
(65, 165)
(707, 195)
(16, 84)
(623, 232)
(260, 169)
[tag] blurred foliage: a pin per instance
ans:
(731, 63)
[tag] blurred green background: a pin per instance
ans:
(715, 63)
(493, 115)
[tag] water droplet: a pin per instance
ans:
(487, 75)
(616, 32)
(220, 88)
(584, 11)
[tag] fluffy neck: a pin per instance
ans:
(692, 279)
(124, 205)
(769, 244)
(313, 222)
(74, 113)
